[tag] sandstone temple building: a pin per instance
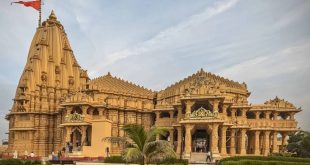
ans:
(56, 102)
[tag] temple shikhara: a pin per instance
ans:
(57, 103)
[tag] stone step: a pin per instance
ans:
(198, 157)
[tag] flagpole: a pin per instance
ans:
(40, 12)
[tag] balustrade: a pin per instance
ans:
(165, 122)
(272, 123)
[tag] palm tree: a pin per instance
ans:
(142, 146)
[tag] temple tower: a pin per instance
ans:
(51, 73)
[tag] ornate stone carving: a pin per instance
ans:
(75, 117)
(202, 113)
(44, 77)
(71, 81)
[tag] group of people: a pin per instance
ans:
(26, 155)
(68, 148)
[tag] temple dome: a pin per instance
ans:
(108, 83)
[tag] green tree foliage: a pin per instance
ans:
(299, 143)
(141, 146)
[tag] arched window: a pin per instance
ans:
(164, 115)
(239, 112)
(271, 116)
(250, 115)
(95, 112)
(220, 107)
(76, 109)
(283, 116)
(228, 112)
(175, 114)
(262, 115)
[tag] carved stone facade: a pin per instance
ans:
(57, 103)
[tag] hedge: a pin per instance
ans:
(261, 162)
(267, 158)
(118, 159)
(270, 160)
(19, 162)
(114, 159)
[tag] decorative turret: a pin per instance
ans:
(281, 103)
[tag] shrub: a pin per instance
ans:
(11, 162)
(175, 161)
(260, 162)
(267, 158)
(19, 162)
(114, 159)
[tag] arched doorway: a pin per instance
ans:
(200, 141)
(76, 139)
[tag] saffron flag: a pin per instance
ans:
(35, 4)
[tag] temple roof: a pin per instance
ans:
(206, 75)
(110, 83)
(280, 103)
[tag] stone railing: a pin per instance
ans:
(272, 123)
(284, 123)
(165, 122)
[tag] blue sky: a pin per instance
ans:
(156, 43)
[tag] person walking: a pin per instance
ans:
(32, 155)
(15, 155)
(209, 156)
(26, 155)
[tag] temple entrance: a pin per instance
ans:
(200, 141)
(76, 139)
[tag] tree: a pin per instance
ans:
(299, 143)
(142, 146)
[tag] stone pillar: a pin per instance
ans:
(223, 140)
(188, 140)
(284, 134)
(266, 143)
(68, 133)
(216, 105)
(292, 116)
(257, 115)
(83, 135)
(188, 109)
(171, 136)
(171, 114)
(275, 148)
(233, 113)
(256, 145)
(275, 115)
(267, 114)
(215, 139)
(225, 107)
(232, 142)
(68, 110)
(244, 113)
(179, 108)
(157, 113)
(84, 109)
(178, 151)
(242, 144)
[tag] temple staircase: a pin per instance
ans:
(198, 157)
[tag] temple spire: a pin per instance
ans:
(52, 15)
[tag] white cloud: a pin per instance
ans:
(286, 61)
(168, 34)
